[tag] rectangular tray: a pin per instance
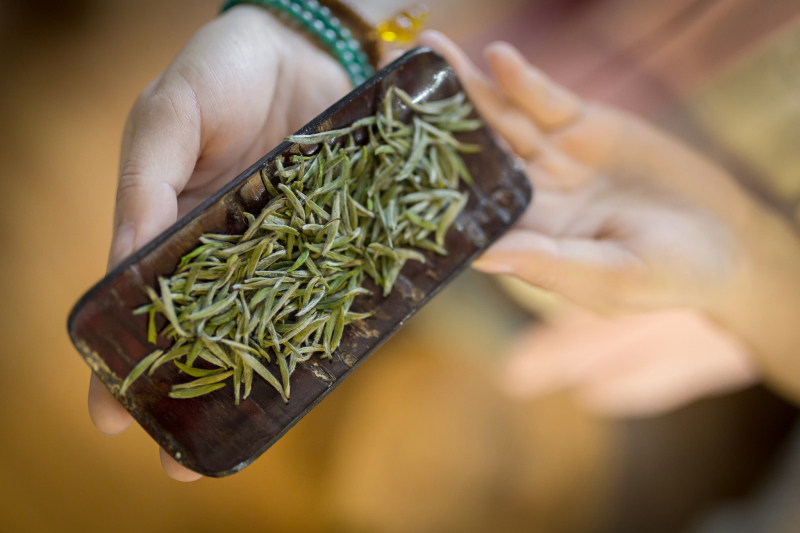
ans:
(210, 434)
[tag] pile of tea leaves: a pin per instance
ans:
(281, 293)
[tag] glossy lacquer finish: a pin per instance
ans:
(210, 434)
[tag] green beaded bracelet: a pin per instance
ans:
(328, 29)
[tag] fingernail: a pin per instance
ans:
(501, 47)
(491, 267)
(122, 245)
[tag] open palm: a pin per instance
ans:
(625, 217)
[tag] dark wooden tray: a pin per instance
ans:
(210, 434)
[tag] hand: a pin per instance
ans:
(625, 217)
(636, 366)
(240, 85)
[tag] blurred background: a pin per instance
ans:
(424, 437)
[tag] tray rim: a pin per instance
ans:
(312, 126)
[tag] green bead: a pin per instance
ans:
(330, 35)
(318, 27)
(342, 45)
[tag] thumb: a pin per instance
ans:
(584, 270)
(160, 148)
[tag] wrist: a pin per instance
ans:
(763, 305)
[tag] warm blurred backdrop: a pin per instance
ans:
(420, 438)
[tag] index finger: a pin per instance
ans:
(549, 104)
(503, 116)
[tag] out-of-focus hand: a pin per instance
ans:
(625, 217)
(240, 85)
(639, 365)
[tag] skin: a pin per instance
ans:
(629, 219)
(626, 218)
(638, 365)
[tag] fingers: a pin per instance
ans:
(539, 363)
(597, 273)
(160, 147)
(555, 170)
(175, 470)
(511, 124)
(639, 365)
(105, 411)
(565, 352)
(549, 104)
(673, 358)
(659, 386)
